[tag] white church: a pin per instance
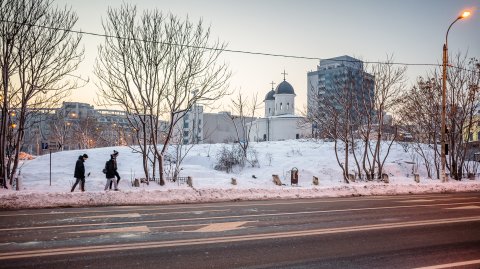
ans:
(280, 121)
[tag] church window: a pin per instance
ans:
(281, 106)
(269, 110)
(288, 106)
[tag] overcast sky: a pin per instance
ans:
(413, 31)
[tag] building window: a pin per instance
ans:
(185, 125)
(288, 106)
(281, 106)
(269, 110)
(185, 133)
(478, 136)
(264, 137)
(470, 137)
(297, 136)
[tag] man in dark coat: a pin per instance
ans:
(111, 170)
(79, 173)
(113, 157)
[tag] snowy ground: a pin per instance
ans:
(310, 158)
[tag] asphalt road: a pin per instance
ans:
(414, 231)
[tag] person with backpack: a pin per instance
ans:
(79, 172)
(114, 157)
(110, 171)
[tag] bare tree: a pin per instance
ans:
(85, 131)
(38, 53)
(421, 113)
(463, 103)
(243, 113)
(352, 113)
(179, 150)
(149, 65)
(334, 116)
(389, 85)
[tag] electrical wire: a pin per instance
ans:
(229, 50)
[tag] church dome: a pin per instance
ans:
(284, 88)
(270, 95)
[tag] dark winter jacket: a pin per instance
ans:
(79, 168)
(111, 169)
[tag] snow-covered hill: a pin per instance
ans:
(309, 157)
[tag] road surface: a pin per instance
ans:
(410, 231)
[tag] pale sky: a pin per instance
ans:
(412, 30)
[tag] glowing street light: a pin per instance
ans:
(443, 160)
(465, 14)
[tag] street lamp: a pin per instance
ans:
(194, 131)
(444, 97)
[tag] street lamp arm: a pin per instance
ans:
(464, 15)
(446, 36)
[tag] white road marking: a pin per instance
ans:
(226, 239)
(175, 226)
(222, 226)
(450, 265)
(416, 201)
(185, 212)
(132, 215)
(466, 207)
(233, 216)
(143, 229)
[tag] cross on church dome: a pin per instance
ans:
(284, 74)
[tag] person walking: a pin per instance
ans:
(79, 172)
(110, 173)
(114, 157)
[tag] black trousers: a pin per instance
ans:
(118, 179)
(82, 184)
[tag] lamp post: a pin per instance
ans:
(195, 127)
(444, 98)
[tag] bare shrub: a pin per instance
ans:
(228, 157)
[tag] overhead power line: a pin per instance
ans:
(225, 49)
